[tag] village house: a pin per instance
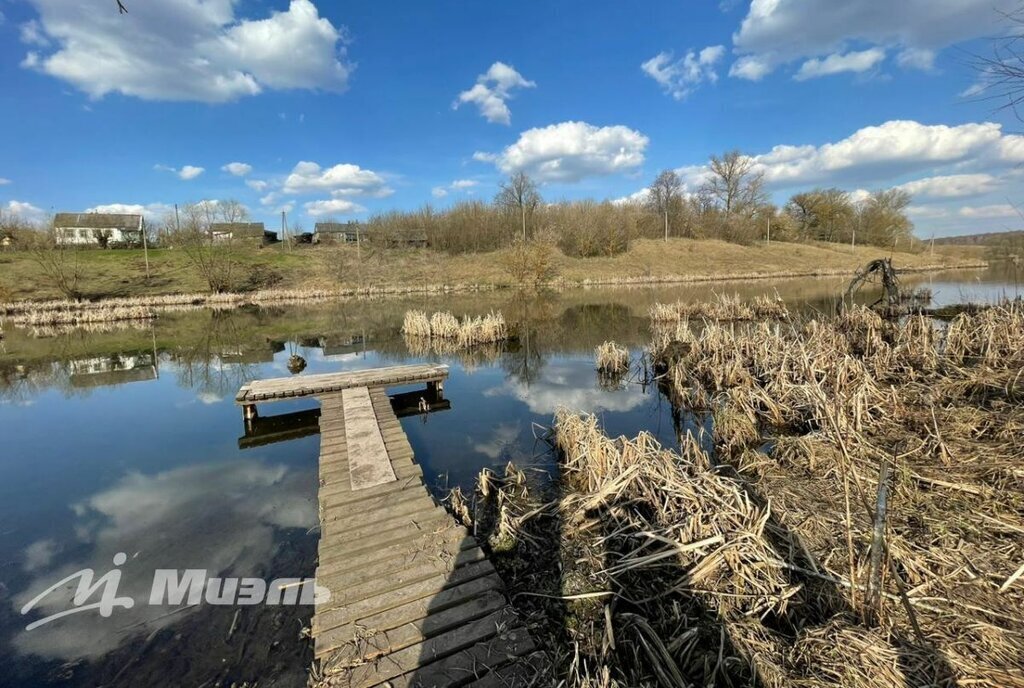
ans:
(249, 232)
(338, 232)
(103, 230)
(350, 232)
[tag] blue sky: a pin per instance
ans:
(345, 109)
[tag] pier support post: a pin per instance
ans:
(249, 414)
(436, 390)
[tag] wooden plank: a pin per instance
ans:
(433, 649)
(368, 643)
(347, 518)
(411, 611)
(327, 383)
(342, 535)
(413, 529)
(448, 541)
(368, 457)
(371, 495)
(332, 614)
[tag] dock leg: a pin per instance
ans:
(249, 414)
(435, 390)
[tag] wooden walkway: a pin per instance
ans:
(414, 600)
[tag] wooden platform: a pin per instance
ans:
(281, 388)
(414, 600)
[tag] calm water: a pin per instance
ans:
(128, 441)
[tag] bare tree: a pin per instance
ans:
(58, 261)
(734, 183)
(520, 194)
(1001, 74)
(663, 193)
(212, 258)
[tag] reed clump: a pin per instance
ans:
(71, 316)
(722, 307)
(612, 359)
(463, 334)
(853, 518)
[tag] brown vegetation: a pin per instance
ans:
(853, 519)
(465, 333)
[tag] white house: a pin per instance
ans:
(98, 229)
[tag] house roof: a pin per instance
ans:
(98, 220)
(239, 229)
(338, 227)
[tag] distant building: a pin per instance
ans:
(338, 232)
(249, 232)
(350, 232)
(105, 230)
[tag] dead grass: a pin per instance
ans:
(722, 307)
(612, 359)
(456, 334)
(760, 554)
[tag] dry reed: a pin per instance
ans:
(465, 333)
(721, 307)
(612, 359)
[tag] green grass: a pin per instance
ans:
(122, 272)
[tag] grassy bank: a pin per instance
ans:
(122, 273)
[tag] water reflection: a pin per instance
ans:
(127, 441)
(221, 517)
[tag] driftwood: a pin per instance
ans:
(881, 267)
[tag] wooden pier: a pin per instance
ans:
(414, 600)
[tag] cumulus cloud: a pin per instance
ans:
(25, 211)
(927, 212)
(679, 78)
(492, 90)
(879, 153)
(257, 185)
(459, 185)
(186, 49)
(340, 180)
(571, 151)
(837, 63)
(952, 185)
(775, 32)
(152, 211)
(239, 169)
(187, 173)
(333, 206)
(4, 181)
(988, 211)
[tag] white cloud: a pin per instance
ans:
(239, 169)
(26, 211)
(952, 185)
(333, 206)
(778, 32)
(457, 186)
(4, 181)
(837, 63)
(637, 197)
(187, 173)
(927, 212)
(341, 180)
(492, 90)
(152, 211)
(988, 211)
(571, 151)
(879, 153)
(679, 78)
(40, 554)
(190, 172)
(32, 33)
(257, 185)
(917, 58)
(186, 49)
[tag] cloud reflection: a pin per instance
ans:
(219, 517)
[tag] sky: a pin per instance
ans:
(340, 110)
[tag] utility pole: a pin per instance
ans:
(769, 235)
(177, 220)
(145, 247)
(359, 256)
